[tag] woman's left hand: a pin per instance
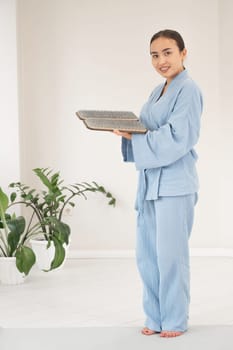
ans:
(126, 135)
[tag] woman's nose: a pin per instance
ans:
(161, 60)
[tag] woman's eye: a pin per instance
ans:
(155, 56)
(167, 53)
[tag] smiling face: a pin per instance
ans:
(167, 59)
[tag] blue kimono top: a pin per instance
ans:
(165, 156)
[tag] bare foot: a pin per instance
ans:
(170, 334)
(147, 331)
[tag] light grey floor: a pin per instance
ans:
(107, 293)
(114, 338)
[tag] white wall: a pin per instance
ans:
(95, 54)
(9, 139)
(224, 138)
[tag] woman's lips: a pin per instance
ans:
(164, 69)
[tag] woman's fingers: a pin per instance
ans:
(123, 134)
(117, 132)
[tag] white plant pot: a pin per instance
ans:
(9, 274)
(44, 255)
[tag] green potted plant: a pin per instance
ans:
(48, 208)
(16, 258)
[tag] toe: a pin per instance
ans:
(147, 331)
(170, 334)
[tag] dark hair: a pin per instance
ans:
(170, 34)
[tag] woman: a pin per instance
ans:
(167, 188)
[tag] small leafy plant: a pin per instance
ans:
(48, 206)
(14, 236)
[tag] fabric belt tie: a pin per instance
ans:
(148, 186)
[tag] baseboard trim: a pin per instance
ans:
(95, 254)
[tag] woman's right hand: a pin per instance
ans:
(126, 135)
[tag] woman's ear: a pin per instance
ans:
(184, 53)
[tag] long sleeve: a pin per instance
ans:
(174, 139)
(127, 150)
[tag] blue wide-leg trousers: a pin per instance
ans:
(162, 252)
